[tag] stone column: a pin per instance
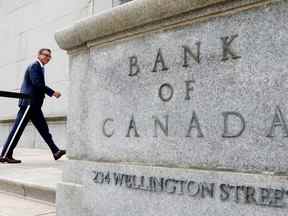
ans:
(178, 108)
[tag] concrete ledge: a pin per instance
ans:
(28, 190)
(131, 15)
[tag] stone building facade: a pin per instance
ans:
(26, 26)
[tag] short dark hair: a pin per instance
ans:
(43, 49)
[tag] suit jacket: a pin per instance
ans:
(34, 86)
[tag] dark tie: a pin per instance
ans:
(43, 72)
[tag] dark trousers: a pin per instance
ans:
(25, 114)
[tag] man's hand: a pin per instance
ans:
(56, 94)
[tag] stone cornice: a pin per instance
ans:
(140, 13)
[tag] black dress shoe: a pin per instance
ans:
(11, 160)
(59, 154)
(2, 159)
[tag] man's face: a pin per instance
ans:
(44, 57)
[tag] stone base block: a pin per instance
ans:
(113, 189)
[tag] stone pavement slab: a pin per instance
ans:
(13, 205)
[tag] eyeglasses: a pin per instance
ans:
(46, 55)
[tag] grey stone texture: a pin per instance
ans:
(239, 79)
(78, 108)
(108, 199)
(253, 85)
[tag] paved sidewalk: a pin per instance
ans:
(13, 205)
(36, 177)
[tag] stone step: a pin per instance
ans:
(29, 190)
(36, 177)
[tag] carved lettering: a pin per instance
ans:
(118, 179)
(187, 51)
(170, 92)
(193, 188)
(134, 67)
(278, 121)
(164, 128)
(224, 188)
(226, 133)
(238, 189)
(194, 123)
(170, 186)
(189, 88)
(226, 45)
(99, 177)
(265, 194)
(250, 195)
(157, 184)
(207, 190)
(276, 198)
(130, 181)
(132, 125)
(159, 59)
(104, 128)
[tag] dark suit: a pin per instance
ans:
(30, 109)
(34, 85)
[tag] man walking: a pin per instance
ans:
(30, 109)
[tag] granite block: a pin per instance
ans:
(120, 189)
(225, 110)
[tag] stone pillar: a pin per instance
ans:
(178, 108)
